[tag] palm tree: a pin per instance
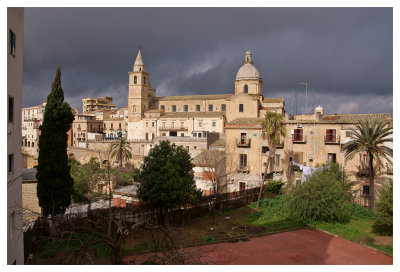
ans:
(273, 128)
(121, 150)
(369, 138)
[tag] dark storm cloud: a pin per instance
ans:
(346, 54)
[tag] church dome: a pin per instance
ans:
(248, 70)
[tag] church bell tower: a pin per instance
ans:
(139, 86)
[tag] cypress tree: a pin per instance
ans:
(54, 182)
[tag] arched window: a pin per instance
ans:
(134, 108)
(29, 144)
(33, 144)
(173, 108)
(246, 88)
(134, 79)
(144, 80)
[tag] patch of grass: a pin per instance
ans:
(209, 239)
(384, 248)
(136, 248)
(271, 216)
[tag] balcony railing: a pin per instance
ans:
(331, 139)
(243, 169)
(299, 138)
(173, 128)
(243, 142)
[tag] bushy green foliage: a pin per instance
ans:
(384, 211)
(166, 178)
(323, 197)
(55, 184)
(273, 188)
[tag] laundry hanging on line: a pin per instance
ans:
(306, 170)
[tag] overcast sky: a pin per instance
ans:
(345, 54)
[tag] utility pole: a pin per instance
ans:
(306, 83)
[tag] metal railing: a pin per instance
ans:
(243, 142)
(331, 139)
(299, 138)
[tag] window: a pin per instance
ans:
(10, 109)
(277, 160)
(243, 138)
(182, 124)
(33, 144)
(246, 88)
(365, 191)
(105, 126)
(144, 80)
(147, 136)
(153, 124)
(200, 124)
(147, 124)
(185, 108)
(298, 135)
(10, 163)
(152, 136)
(240, 107)
(223, 107)
(210, 107)
(349, 134)
(112, 126)
(162, 107)
(243, 160)
(173, 108)
(242, 186)
(119, 125)
(135, 80)
(182, 134)
(214, 124)
(265, 149)
(163, 124)
(173, 124)
(330, 135)
(164, 134)
(332, 157)
(12, 43)
(187, 148)
(197, 107)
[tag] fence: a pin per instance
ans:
(144, 212)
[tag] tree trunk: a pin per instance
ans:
(372, 183)
(262, 186)
(166, 217)
(120, 159)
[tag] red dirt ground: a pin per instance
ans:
(306, 246)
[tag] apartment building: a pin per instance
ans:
(15, 41)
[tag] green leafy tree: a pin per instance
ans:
(369, 138)
(55, 184)
(121, 150)
(166, 178)
(384, 211)
(80, 178)
(323, 196)
(273, 128)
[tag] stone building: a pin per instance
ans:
(83, 126)
(15, 41)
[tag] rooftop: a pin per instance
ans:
(195, 97)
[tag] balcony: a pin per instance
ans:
(243, 169)
(299, 138)
(173, 128)
(331, 139)
(243, 142)
(363, 171)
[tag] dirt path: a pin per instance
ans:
(305, 246)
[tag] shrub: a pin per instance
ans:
(273, 188)
(384, 211)
(323, 197)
